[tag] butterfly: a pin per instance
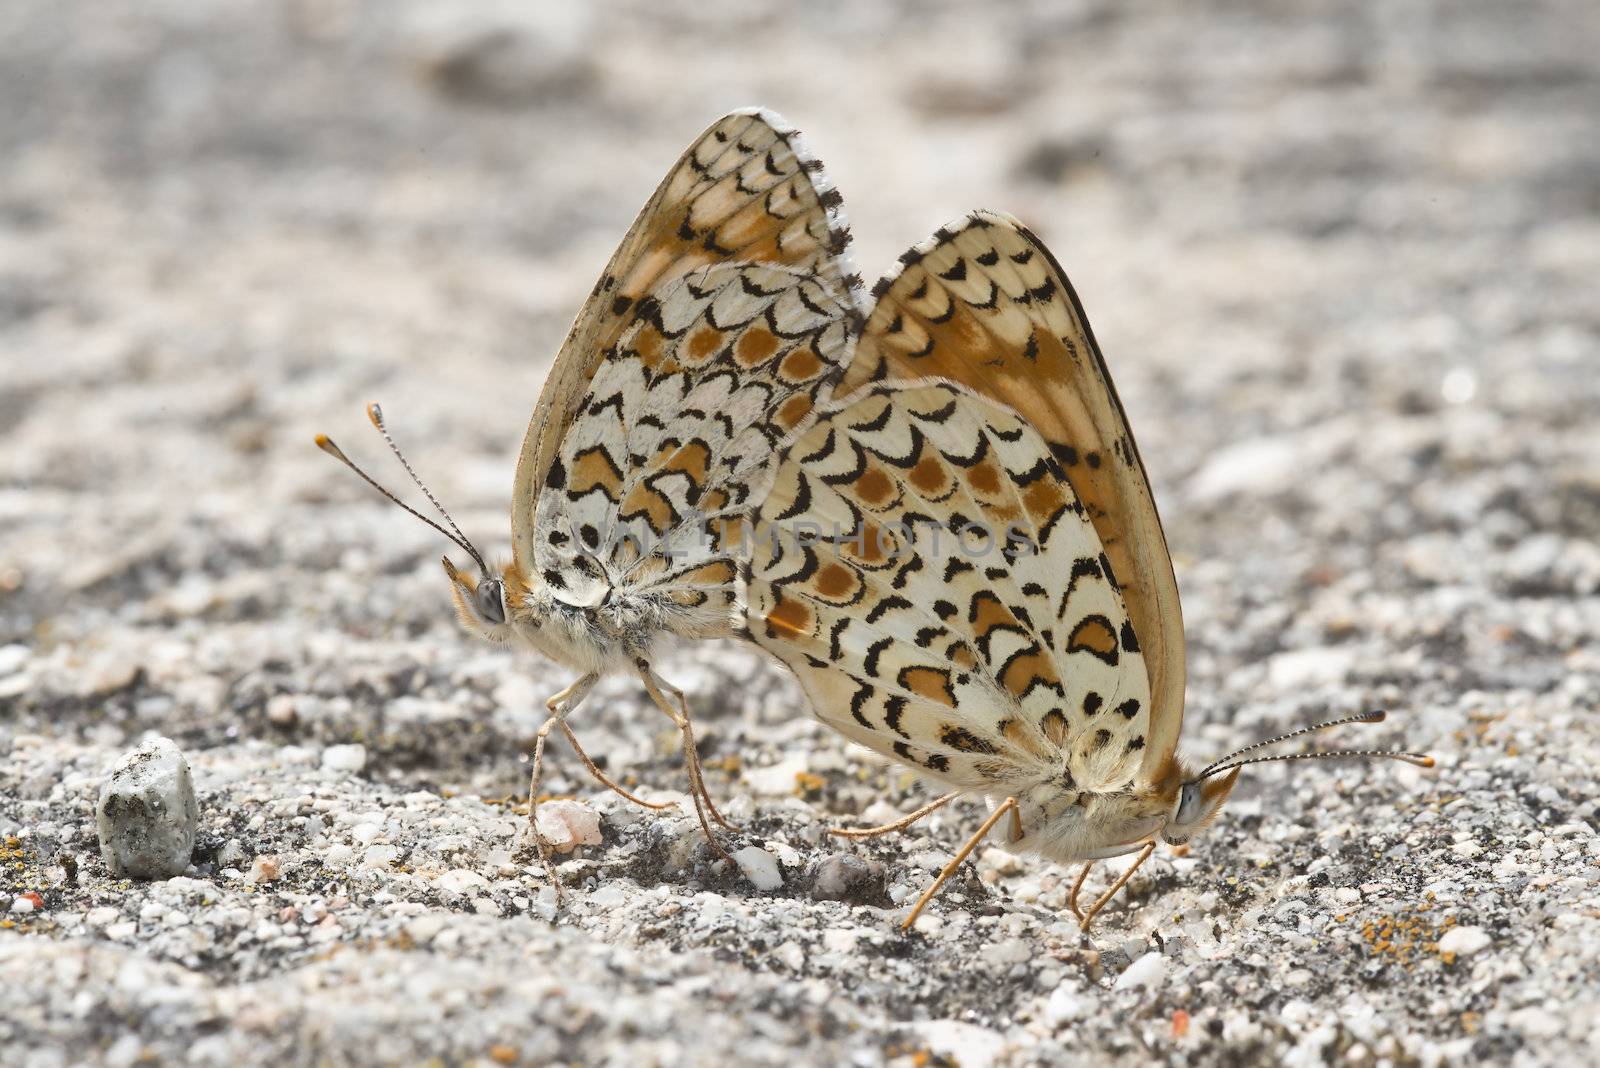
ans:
(722, 322)
(1035, 658)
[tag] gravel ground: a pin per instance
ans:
(1342, 260)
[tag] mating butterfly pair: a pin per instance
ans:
(928, 504)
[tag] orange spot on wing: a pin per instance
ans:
(835, 581)
(874, 487)
(1054, 726)
(985, 478)
(717, 573)
(989, 613)
(652, 504)
(648, 344)
(1024, 672)
(755, 346)
(1095, 635)
(874, 547)
(1019, 736)
(929, 476)
(930, 684)
(691, 459)
(1043, 499)
(704, 342)
(594, 468)
(794, 410)
(789, 619)
(801, 365)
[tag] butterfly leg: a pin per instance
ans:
(1008, 805)
(1072, 899)
(1122, 880)
(898, 825)
(599, 775)
(654, 685)
(559, 706)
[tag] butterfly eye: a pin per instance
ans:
(489, 605)
(1188, 804)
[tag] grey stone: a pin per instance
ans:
(147, 813)
(846, 877)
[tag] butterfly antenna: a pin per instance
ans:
(1229, 762)
(326, 444)
(1417, 759)
(375, 413)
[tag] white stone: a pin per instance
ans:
(460, 880)
(565, 825)
(760, 867)
(1309, 667)
(1256, 466)
(380, 856)
(1464, 941)
(147, 813)
(349, 759)
(1066, 1004)
(423, 929)
(1012, 951)
(966, 1044)
(1149, 971)
(22, 905)
(1536, 1022)
(791, 955)
(779, 780)
(12, 658)
(840, 939)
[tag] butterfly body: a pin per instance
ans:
(722, 371)
(723, 320)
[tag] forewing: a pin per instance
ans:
(744, 192)
(676, 435)
(985, 304)
(994, 653)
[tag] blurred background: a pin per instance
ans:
(1341, 256)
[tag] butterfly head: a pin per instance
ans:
(1197, 804)
(482, 600)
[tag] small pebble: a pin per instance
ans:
(565, 825)
(264, 869)
(846, 877)
(760, 867)
(1464, 941)
(349, 759)
(1149, 971)
(461, 880)
(147, 813)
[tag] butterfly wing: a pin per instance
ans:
(744, 192)
(677, 432)
(1003, 655)
(985, 304)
